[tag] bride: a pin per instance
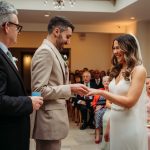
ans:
(126, 89)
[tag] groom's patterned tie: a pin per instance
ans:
(66, 73)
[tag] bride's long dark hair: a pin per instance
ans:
(129, 46)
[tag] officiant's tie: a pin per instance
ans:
(11, 58)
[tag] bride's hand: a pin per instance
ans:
(93, 92)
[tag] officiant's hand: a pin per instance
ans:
(37, 102)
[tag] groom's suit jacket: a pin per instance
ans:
(15, 108)
(49, 76)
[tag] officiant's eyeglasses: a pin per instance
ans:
(18, 27)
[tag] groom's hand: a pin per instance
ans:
(79, 89)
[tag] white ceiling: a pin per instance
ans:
(85, 12)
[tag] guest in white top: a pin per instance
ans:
(148, 98)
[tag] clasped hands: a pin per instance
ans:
(80, 89)
(83, 90)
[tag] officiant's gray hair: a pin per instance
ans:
(6, 11)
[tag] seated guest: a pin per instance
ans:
(106, 145)
(77, 72)
(71, 78)
(84, 103)
(98, 104)
(97, 81)
(108, 72)
(148, 108)
(92, 73)
(148, 99)
(74, 101)
(85, 69)
(102, 74)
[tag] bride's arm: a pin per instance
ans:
(135, 90)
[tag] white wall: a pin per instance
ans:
(142, 31)
(132, 28)
(94, 49)
(91, 51)
(143, 34)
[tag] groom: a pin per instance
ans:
(50, 76)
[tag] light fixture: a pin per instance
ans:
(59, 4)
(132, 18)
(46, 15)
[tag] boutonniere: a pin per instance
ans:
(65, 57)
(15, 59)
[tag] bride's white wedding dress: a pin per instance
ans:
(127, 126)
